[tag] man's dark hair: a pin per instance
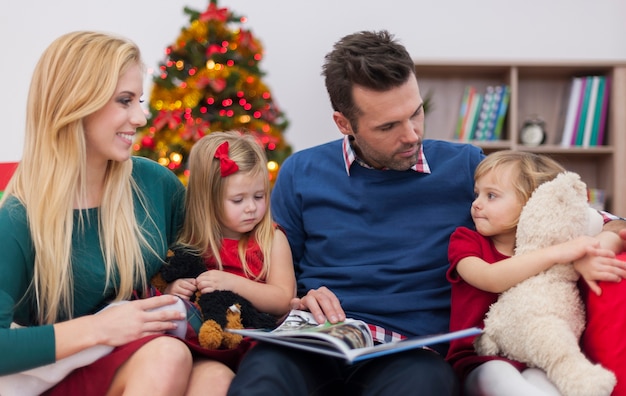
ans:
(373, 60)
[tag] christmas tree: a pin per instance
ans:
(210, 81)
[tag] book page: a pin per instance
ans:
(297, 320)
(353, 333)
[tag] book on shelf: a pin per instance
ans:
(587, 107)
(486, 115)
(458, 134)
(481, 115)
(604, 111)
(472, 117)
(492, 111)
(572, 111)
(591, 111)
(502, 108)
(597, 113)
(583, 109)
(468, 105)
(350, 340)
(579, 105)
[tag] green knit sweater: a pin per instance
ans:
(33, 346)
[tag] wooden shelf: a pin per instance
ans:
(538, 88)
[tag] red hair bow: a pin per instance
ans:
(227, 166)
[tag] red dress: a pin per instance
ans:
(230, 258)
(469, 305)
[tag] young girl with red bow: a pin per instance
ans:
(228, 222)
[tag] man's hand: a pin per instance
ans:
(322, 303)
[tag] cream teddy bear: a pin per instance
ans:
(540, 320)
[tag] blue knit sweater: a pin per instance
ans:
(377, 239)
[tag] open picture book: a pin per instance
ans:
(351, 340)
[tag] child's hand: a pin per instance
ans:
(600, 265)
(622, 235)
(578, 248)
(183, 288)
(213, 280)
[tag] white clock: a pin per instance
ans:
(533, 133)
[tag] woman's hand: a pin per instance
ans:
(118, 324)
(129, 321)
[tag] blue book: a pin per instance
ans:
(502, 109)
(485, 115)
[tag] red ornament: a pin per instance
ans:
(148, 142)
(218, 84)
(246, 39)
(212, 49)
(169, 118)
(194, 129)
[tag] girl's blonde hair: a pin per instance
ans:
(76, 76)
(530, 170)
(204, 202)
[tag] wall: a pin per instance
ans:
(297, 34)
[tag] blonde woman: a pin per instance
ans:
(84, 224)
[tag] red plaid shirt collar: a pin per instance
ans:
(349, 157)
(383, 336)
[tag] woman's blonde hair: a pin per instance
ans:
(530, 169)
(76, 76)
(204, 202)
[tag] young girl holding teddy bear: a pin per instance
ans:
(504, 182)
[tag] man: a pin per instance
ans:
(368, 220)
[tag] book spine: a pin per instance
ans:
(591, 110)
(572, 109)
(473, 116)
(458, 133)
(584, 102)
(597, 113)
(605, 109)
(492, 120)
(484, 114)
(502, 109)
(465, 128)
